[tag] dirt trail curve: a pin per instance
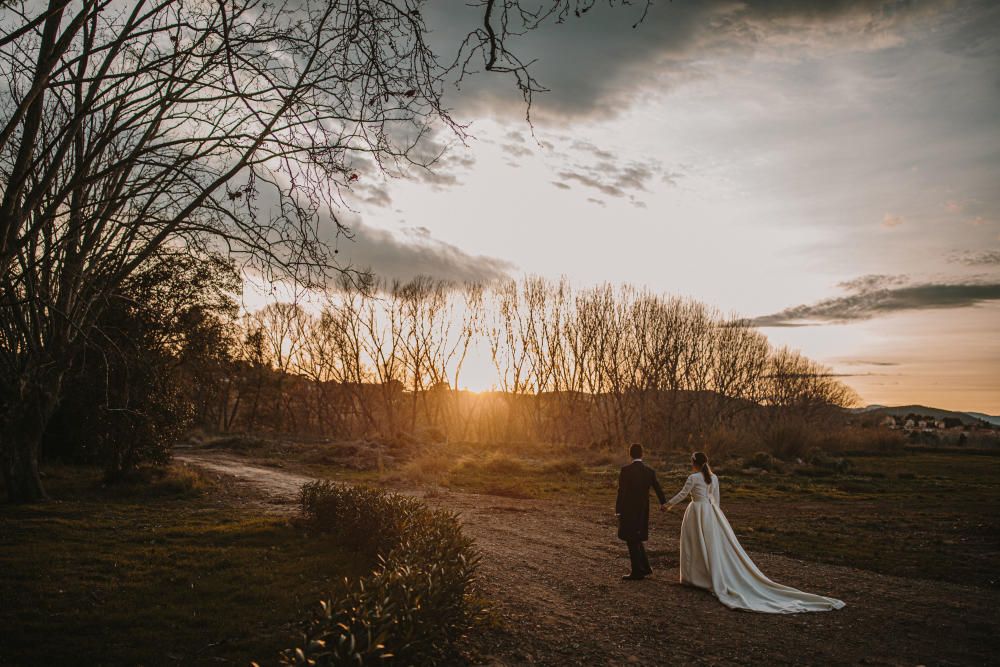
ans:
(553, 571)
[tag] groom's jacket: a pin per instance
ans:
(632, 506)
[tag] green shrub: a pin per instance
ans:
(417, 601)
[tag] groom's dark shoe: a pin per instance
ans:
(633, 577)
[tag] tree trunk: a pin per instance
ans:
(22, 438)
(21, 430)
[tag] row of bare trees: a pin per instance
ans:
(606, 364)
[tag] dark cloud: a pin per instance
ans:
(416, 253)
(671, 177)
(437, 162)
(594, 200)
(584, 163)
(584, 179)
(516, 150)
(377, 196)
(872, 296)
(871, 282)
(516, 136)
(592, 149)
(863, 362)
(613, 179)
(976, 258)
(432, 160)
(595, 65)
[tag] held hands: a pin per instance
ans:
(666, 507)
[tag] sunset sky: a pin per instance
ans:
(829, 169)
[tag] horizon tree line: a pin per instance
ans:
(599, 365)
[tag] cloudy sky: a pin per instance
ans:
(830, 169)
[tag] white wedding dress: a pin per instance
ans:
(712, 558)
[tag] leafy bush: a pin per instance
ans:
(122, 413)
(125, 399)
(417, 601)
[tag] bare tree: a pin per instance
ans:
(128, 128)
(604, 366)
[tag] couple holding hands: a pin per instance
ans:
(710, 555)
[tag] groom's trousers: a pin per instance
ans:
(640, 563)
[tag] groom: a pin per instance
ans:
(632, 510)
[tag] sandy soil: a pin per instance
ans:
(552, 572)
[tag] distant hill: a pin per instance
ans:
(992, 419)
(968, 418)
(867, 408)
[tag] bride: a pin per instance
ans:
(712, 558)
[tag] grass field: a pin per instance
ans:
(160, 574)
(931, 515)
(184, 569)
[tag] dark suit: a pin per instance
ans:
(632, 508)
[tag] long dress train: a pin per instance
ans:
(712, 558)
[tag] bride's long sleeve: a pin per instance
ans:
(684, 493)
(715, 492)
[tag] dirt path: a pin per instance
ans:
(553, 571)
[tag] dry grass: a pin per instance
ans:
(568, 467)
(154, 574)
(431, 466)
(174, 481)
(499, 463)
(925, 514)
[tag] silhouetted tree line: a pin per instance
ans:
(597, 366)
(593, 367)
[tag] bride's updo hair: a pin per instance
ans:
(700, 459)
